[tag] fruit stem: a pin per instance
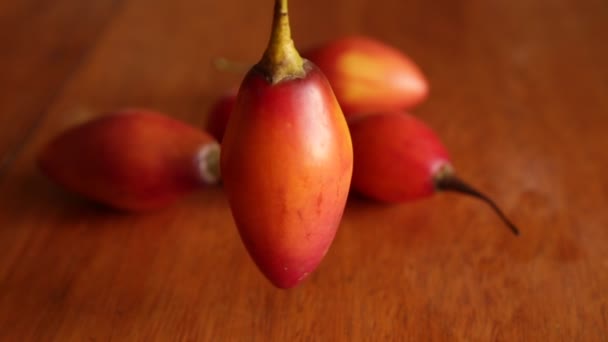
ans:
(448, 181)
(224, 64)
(281, 60)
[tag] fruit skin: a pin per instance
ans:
(134, 160)
(397, 157)
(286, 163)
(220, 113)
(368, 75)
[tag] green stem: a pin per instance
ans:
(224, 64)
(281, 60)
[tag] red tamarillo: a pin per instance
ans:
(286, 160)
(398, 158)
(133, 160)
(368, 75)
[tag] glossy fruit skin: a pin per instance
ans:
(286, 164)
(396, 157)
(220, 113)
(369, 76)
(133, 160)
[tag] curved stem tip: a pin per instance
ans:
(449, 182)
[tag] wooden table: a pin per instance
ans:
(519, 95)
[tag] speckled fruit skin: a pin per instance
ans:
(369, 76)
(286, 163)
(134, 160)
(395, 157)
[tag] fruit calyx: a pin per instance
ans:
(445, 179)
(281, 61)
(207, 162)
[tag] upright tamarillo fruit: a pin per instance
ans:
(133, 160)
(368, 75)
(398, 158)
(286, 160)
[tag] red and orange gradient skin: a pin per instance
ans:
(369, 76)
(286, 164)
(396, 157)
(132, 160)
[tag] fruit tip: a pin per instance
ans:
(208, 163)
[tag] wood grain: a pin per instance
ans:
(518, 95)
(42, 45)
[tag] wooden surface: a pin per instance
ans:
(519, 93)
